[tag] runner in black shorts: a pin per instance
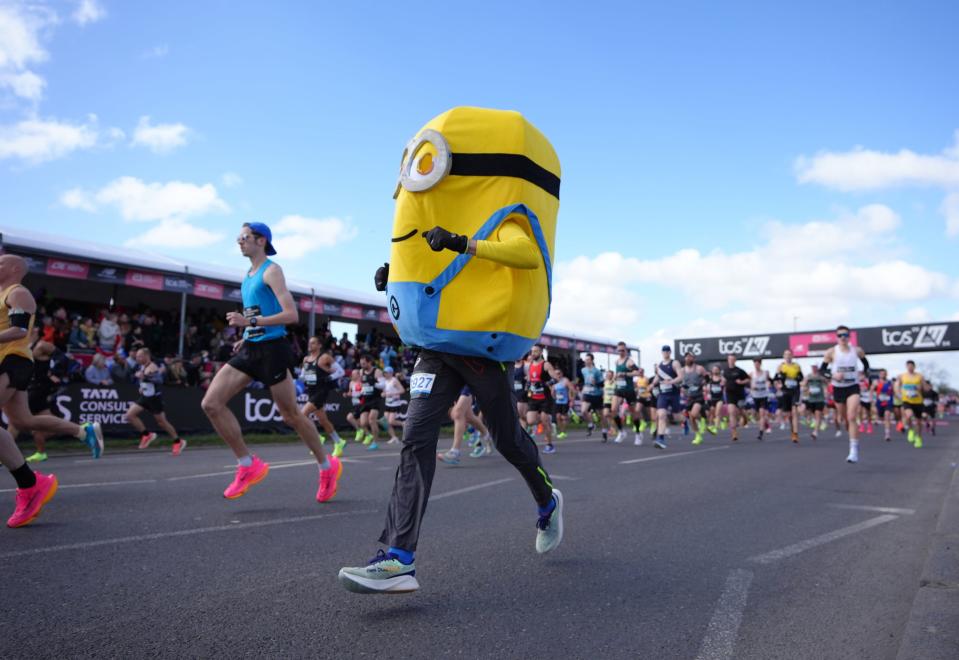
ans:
(735, 380)
(150, 381)
(320, 374)
(264, 354)
(790, 377)
(371, 400)
(39, 392)
(626, 370)
(519, 388)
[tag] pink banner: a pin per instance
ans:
(385, 316)
(207, 289)
(352, 312)
(145, 280)
(72, 269)
(815, 344)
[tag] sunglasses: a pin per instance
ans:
(842, 335)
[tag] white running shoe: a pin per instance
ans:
(838, 433)
(853, 455)
(638, 441)
(619, 437)
(782, 427)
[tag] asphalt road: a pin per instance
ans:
(753, 550)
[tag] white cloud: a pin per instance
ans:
(231, 180)
(156, 52)
(950, 210)
(20, 48)
(39, 140)
(175, 233)
(159, 138)
(88, 11)
(865, 169)
(917, 315)
(818, 271)
(294, 235)
(138, 201)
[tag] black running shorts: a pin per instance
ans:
(152, 404)
(19, 370)
(842, 394)
(266, 361)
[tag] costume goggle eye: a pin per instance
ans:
(426, 161)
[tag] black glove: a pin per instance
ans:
(382, 275)
(440, 239)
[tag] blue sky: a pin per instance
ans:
(699, 141)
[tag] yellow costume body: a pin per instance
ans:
(492, 176)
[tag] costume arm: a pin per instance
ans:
(511, 247)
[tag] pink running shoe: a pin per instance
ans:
(146, 439)
(246, 477)
(869, 428)
(329, 479)
(179, 446)
(862, 428)
(31, 500)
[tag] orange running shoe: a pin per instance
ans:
(146, 439)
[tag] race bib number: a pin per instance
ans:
(393, 403)
(927, 402)
(309, 378)
(693, 389)
(367, 389)
(815, 389)
(518, 385)
(147, 389)
(884, 397)
(421, 384)
(666, 387)
(791, 383)
(621, 383)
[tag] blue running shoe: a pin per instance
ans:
(94, 438)
(549, 528)
(549, 449)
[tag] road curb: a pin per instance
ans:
(932, 631)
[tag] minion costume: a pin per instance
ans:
(469, 282)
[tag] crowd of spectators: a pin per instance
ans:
(102, 343)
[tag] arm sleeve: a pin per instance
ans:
(511, 247)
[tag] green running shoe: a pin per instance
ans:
(37, 457)
(711, 429)
(338, 448)
(322, 439)
(549, 529)
(359, 436)
(918, 443)
(911, 437)
(698, 440)
(560, 436)
(368, 439)
(385, 574)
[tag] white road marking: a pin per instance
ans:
(469, 489)
(560, 477)
(661, 456)
(720, 640)
(200, 476)
(877, 509)
(183, 532)
(94, 485)
(796, 548)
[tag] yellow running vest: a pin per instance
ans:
(20, 346)
(910, 388)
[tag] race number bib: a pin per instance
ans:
(421, 384)
(309, 378)
(620, 383)
(147, 389)
(665, 388)
(792, 383)
(518, 385)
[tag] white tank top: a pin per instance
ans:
(844, 367)
(760, 384)
(391, 392)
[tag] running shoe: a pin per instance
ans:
(862, 428)
(838, 433)
(146, 439)
(393, 441)
(900, 427)
(30, 501)
(488, 445)
(660, 443)
(94, 438)
(561, 436)
(735, 437)
(246, 477)
(179, 446)
(712, 430)
(795, 438)
(760, 436)
(888, 439)
(372, 446)
(605, 435)
(338, 447)
(698, 439)
(638, 440)
(385, 574)
(589, 429)
(451, 457)
(918, 443)
(853, 455)
(782, 427)
(368, 439)
(869, 428)
(478, 450)
(322, 439)
(549, 528)
(359, 435)
(814, 436)
(329, 480)
(619, 437)
(37, 457)
(911, 436)
(549, 448)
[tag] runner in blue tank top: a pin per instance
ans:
(263, 354)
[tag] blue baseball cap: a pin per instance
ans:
(264, 231)
(667, 348)
(388, 370)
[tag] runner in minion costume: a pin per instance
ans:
(469, 282)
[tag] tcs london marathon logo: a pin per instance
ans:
(745, 346)
(917, 337)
